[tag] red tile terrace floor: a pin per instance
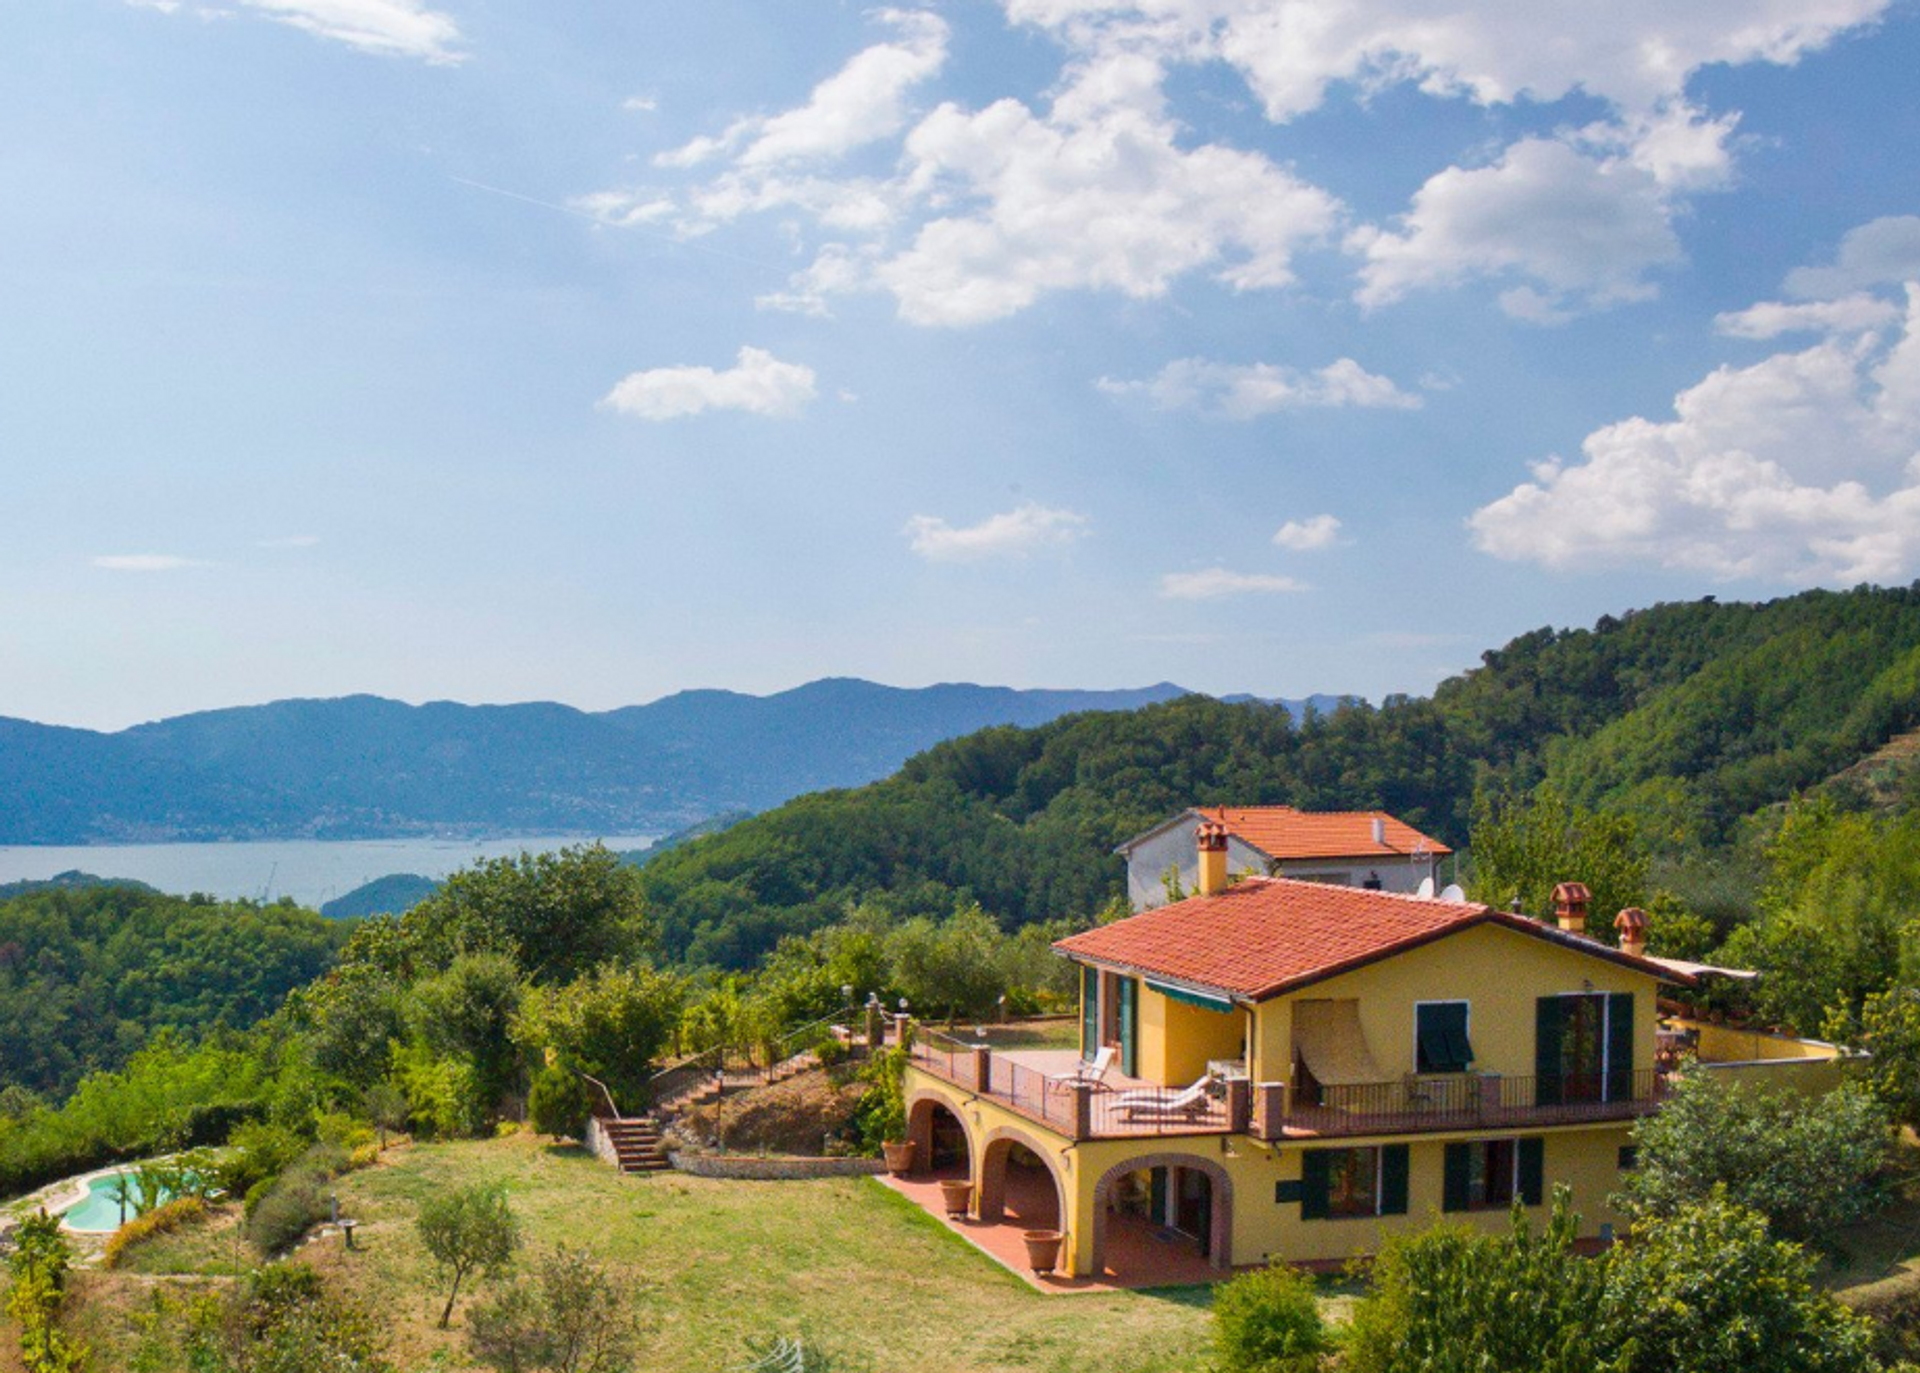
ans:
(1026, 1080)
(1138, 1254)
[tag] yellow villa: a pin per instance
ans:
(1284, 1069)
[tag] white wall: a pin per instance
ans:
(1174, 847)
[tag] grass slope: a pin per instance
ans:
(711, 1263)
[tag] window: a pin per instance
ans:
(1440, 1037)
(1336, 1183)
(1492, 1170)
(1487, 1174)
(1353, 1182)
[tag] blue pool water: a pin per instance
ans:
(99, 1212)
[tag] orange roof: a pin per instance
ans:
(1283, 832)
(1268, 935)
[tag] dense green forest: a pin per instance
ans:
(89, 974)
(1683, 718)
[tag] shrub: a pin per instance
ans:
(571, 1319)
(282, 1321)
(832, 1051)
(38, 1267)
(289, 1207)
(1708, 1290)
(443, 1094)
(1454, 1300)
(881, 1115)
(1808, 1164)
(158, 1221)
(1268, 1322)
(260, 1153)
(558, 1104)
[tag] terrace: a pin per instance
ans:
(1029, 1082)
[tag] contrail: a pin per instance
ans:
(627, 228)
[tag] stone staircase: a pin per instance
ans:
(707, 1088)
(636, 1144)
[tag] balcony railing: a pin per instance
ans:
(1278, 1111)
(1468, 1102)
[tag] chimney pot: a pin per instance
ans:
(1379, 832)
(1632, 925)
(1570, 901)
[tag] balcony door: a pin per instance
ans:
(1584, 1048)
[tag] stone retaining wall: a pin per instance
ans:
(752, 1167)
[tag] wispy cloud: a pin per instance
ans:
(1238, 391)
(1014, 533)
(146, 562)
(389, 28)
(758, 383)
(1215, 582)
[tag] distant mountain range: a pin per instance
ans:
(366, 767)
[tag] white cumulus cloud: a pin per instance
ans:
(389, 28)
(1875, 254)
(1772, 318)
(758, 383)
(1309, 535)
(1804, 467)
(1247, 391)
(1215, 582)
(1025, 529)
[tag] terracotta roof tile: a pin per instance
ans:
(1283, 832)
(1265, 936)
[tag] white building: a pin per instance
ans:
(1349, 848)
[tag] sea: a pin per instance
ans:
(311, 871)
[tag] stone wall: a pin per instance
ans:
(752, 1167)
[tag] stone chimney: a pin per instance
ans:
(1632, 925)
(1570, 901)
(1211, 839)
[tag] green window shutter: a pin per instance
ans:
(1129, 1021)
(1549, 1021)
(1313, 1184)
(1089, 1012)
(1157, 1195)
(1442, 1035)
(1620, 1047)
(1394, 1159)
(1456, 1183)
(1533, 1168)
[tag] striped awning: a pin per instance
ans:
(1206, 1001)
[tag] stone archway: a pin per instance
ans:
(991, 1177)
(1220, 1237)
(921, 1109)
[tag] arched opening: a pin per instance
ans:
(1163, 1218)
(943, 1143)
(1018, 1186)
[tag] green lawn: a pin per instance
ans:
(711, 1263)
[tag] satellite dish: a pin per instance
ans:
(1425, 892)
(1454, 893)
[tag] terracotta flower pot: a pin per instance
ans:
(1043, 1249)
(899, 1156)
(957, 1193)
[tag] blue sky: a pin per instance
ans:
(498, 351)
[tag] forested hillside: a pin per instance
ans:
(1686, 717)
(89, 975)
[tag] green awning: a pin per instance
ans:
(1206, 1001)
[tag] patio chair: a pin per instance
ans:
(1092, 1074)
(1194, 1101)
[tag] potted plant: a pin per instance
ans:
(899, 1154)
(1043, 1249)
(957, 1194)
(882, 1112)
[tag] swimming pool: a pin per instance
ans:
(99, 1211)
